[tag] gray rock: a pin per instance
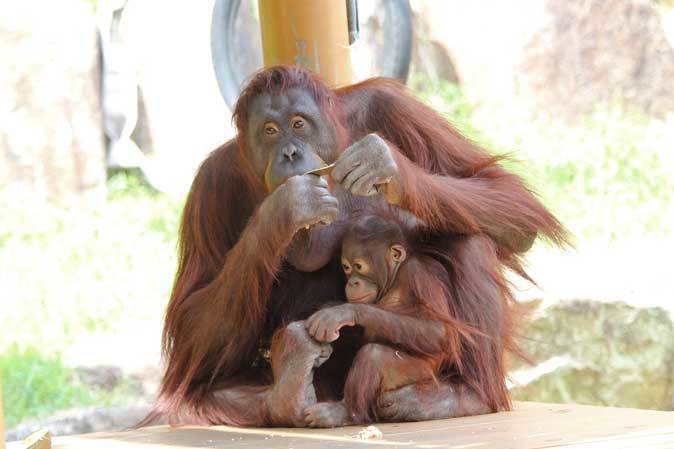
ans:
(430, 58)
(84, 420)
(618, 355)
(594, 51)
(51, 141)
(559, 57)
(104, 377)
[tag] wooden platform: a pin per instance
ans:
(530, 425)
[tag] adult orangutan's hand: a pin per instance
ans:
(366, 167)
(302, 201)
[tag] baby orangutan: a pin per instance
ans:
(394, 286)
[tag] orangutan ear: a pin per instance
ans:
(398, 253)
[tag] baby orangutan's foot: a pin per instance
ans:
(326, 414)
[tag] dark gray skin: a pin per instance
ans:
(288, 136)
(440, 401)
(365, 167)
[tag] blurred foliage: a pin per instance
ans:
(73, 271)
(604, 176)
(92, 3)
(665, 3)
(35, 385)
(77, 269)
(446, 98)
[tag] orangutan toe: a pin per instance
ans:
(326, 414)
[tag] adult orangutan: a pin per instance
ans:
(259, 250)
(390, 268)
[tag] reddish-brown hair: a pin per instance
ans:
(477, 330)
(220, 305)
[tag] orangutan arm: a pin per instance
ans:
(213, 320)
(311, 249)
(415, 334)
(491, 200)
(410, 333)
(423, 164)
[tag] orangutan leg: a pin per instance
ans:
(473, 259)
(294, 355)
(377, 368)
(242, 406)
(421, 402)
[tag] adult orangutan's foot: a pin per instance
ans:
(326, 414)
(294, 356)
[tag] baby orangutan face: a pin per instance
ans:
(370, 268)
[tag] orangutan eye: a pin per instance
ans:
(346, 267)
(357, 266)
(297, 122)
(270, 129)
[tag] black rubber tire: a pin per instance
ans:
(398, 37)
(222, 51)
(231, 74)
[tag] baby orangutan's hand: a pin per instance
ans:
(325, 324)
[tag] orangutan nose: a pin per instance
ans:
(354, 283)
(290, 151)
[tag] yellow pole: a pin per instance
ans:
(313, 34)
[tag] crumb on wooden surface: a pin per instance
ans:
(370, 433)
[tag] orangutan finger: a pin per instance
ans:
(343, 167)
(353, 177)
(364, 186)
